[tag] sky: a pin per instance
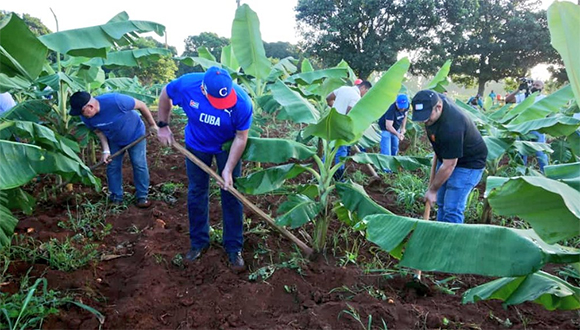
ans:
(181, 18)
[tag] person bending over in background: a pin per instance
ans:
(343, 100)
(460, 153)
(392, 125)
(218, 111)
(518, 97)
(112, 118)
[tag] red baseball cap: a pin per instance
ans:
(219, 88)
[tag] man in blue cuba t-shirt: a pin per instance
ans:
(113, 120)
(218, 111)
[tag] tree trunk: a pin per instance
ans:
(481, 87)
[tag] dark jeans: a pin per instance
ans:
(138, 156)
(198, 204)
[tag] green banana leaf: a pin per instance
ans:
(93, 76)
(21, 54)
(17, 198)
(497, 147)
(355, 199)
(306, 66)
(464, 249)
(95, 41)
(550, 291)
(53, 81)
(30, 110)
(229, 59)
(297, 210)
(439, 82)
(564, 24)
(551, 207)
(519, 108)
(557, 125)
(247, 43)
(318, 76)
(193, 61)
(566, 173)
(283, 69)
(276, 150)
(393, 163)
(296, 108)
(17, 168)
(268, 180)
(203, 52)
(268, 103)
(372, 106)
(530, 148)
(13, 83)
(131, 57)
(548, 105)
(574, 143)
(334, 126)
(7, 220)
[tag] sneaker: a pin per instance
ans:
(236, 261)
(193, 254)
(143, 203)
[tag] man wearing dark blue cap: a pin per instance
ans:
(113, 120)
(218, 111)
(460, 153)
(392, 125)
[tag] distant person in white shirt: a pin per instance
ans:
(6, 102)
(343, 100)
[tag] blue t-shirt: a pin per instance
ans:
(116, 119)
(393, 114)
(208, 128)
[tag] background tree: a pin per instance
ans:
(209, 40)
(34, 24)
(281, 50)
(368, 34)
(487, 40)
(160, 71)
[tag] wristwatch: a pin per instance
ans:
(162, 124)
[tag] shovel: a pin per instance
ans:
(305, 248)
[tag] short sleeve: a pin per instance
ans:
(124, 102)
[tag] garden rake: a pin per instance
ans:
(307, 250)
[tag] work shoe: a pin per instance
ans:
(143, 203)
(193, 254)
(115, 201)
(236, 261)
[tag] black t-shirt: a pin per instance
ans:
(454, 135)
(393, 114)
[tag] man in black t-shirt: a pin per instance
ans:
(460, 153)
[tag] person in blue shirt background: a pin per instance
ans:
(392, 125)
(113, 120)
(218, 111)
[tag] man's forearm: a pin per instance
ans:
(164, 107)
(236, 151)
(441, 176)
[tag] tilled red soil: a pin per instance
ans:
(144, 289)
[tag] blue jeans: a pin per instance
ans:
(198, 204)
(542, 157)
(138, 156)
(342, 151)
(389, 144)
(452, 196)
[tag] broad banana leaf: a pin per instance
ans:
(332, 127)
(464, 248)
(557, 125)
(574, 142)
(497, 147)
(566, 173)
(548, 105)
(530, 148)
(31, 110)
(540, 287)
(551, 207)
(203, 52)
(318, 76)
(270, 179)
(372, 106)
(13, 83)
(562, 153)
(131, 57)
(247, 43)
(21, 54)
(17, 167)
(268, 103)
(229, 59)
(93, 76)
(53, 81)
(17, 198)
(393, 163)
(95, 41)
(283, 69)
(371, 137)
(355, 199)
(297, 210)
(564, 23)
(276, 150)
(439, 82)
(193, 61)
(306, 66)
(296, 108)
(7, 220)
